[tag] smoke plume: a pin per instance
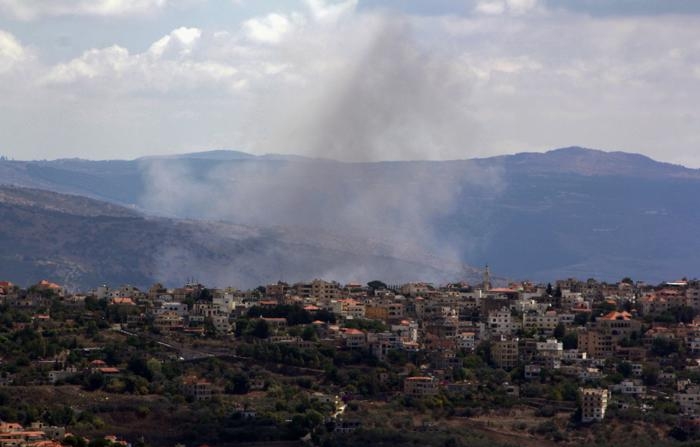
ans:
(358, 89)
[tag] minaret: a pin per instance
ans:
(487, 279)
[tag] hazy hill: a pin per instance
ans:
(83, 243)
(568, 212)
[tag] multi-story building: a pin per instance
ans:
(197, 388)
(318, 290)
(354, 338)
(550, 353)
(545, 321)
(420, 386)
(501, 322)
(689, 401)
(600, 338)
(594, 402)
(504, 352)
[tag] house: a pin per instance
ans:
(501, 322)
(466, 341)
(196, 388)
(594, 402)
(550, 352)
(168, 321)
(276, 324)
(179, 309)
(58, 375)
(123, 301)
(420, 386)
(532, 371)
(544, 322)
(346, 425)
(600, 339)
(630, 387)
(590, 373)
(45, 285)
(354, 338)
(689, 401)
(504, 352)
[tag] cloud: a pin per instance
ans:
(12, 53)
(180, 42)
(169, 64)
(323, 11)
(497, 7)
(513, 76)
(32, 9)
(268, 29)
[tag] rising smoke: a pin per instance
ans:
(359, 89)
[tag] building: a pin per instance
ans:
(544, 321)
(466, 341)
(420, 386)
(354, 338)
(501, 322)
(594, 402)
(550, 353)
(196, 388)
(600, 338)
(504, 352)
(689, 401)
(630, 387)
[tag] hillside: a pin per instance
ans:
(83, 243)
(567, 212)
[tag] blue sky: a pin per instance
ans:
(353, 80)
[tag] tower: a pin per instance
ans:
(487, 279)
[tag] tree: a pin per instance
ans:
(662, 347)
(581, 318)
(559, 331)
(570, 340)
(625, 368)
(376, 285)
(239, 384)
(309, 333)
(260, 329)
(558, 292)
(650, 375)
(94, 381)
(205, 295)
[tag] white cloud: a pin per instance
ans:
(12, 53)
(171, 63)
(517, 75)
(269, 29)
(323, 11)
(497, 7)
(92, 64)
(179, 42)
(491, 7)
(31, 9)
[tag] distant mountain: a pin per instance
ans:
(218, 155)
(591, 162)
(83, 243)
(567, 212)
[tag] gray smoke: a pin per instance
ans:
(381, 96)
(366, 91)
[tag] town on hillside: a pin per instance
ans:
(321, 363)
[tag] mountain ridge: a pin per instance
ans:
(84, 243)
(571, 211)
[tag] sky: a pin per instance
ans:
(355, 80)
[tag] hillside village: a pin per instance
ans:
(329, 364)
